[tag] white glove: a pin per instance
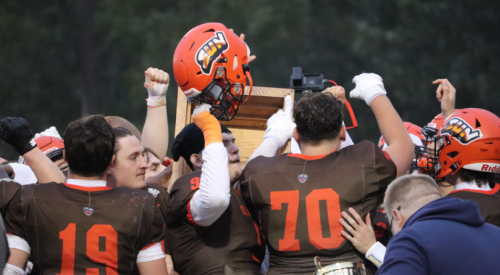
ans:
(280, 125)
(157, 84)
(368, 87)
(50, 132)
(203, 107)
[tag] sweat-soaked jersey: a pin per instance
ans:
(162, 196)
(298, 200)
(80, 230)
(488, 201)
(231, 245)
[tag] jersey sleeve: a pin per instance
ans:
(8, 189)
(181, 194)
(251, 169)
(14, 216)
(386, 169)
(154, 229)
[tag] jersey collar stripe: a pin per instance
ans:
(87, 188)
(490, 192)
(305, 157)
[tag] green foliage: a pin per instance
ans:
(408, 42)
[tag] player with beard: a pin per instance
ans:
(298, 198)
(68, 242)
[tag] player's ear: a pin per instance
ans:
(296, 135)
(64, 156)
(196, 160)
(111, 165)
(342, 134)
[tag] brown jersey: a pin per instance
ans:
(162, 196)
(8, 188)
(231, 245)
(298, 202)
(488, 201)
(79, 230)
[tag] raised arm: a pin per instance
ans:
(445, 93)
(370, 88)
(155, 131)
(212, 199)
(16, 132)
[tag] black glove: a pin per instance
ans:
(16, 132)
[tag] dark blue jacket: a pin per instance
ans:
(446, 236)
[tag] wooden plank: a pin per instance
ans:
(181, 117)
(248, 127)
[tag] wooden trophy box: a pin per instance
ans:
(248, 127)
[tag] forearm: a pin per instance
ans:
(155, 131)
(45, 170)
(400, 145)
(212, 199)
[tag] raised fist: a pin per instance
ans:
(368, 87)
(280, 125)
(16, 132)
(157, 84)
(337, 91)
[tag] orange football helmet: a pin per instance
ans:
(52, 147)
(469, 139)
(414, 131)
(211, 66)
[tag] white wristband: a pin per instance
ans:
(376, 254)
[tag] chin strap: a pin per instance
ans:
(251, 85)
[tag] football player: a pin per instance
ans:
(298, 198)
(210, 227)
(81, 226)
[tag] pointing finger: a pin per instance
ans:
(288, 105)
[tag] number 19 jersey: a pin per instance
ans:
(298, 199)
(79, 230)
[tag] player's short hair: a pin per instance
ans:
(121, 132)
(148, 152)
(89, 146)
(404, 190)
(117, 121)
(318, 117)
(481, 178)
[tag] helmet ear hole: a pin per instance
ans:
(452, 154)
(477, 123)
(235, 62)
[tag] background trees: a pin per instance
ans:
(61, 59)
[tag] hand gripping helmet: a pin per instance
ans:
(468, 139)
(211, 66)
(52, 147)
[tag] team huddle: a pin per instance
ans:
(99, 199)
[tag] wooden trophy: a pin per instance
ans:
(248, 127)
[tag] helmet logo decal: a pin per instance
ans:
(460, 130)
(211, 51)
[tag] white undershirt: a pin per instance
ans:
(472, 185)
(86, 183)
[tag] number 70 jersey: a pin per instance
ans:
(298, 199)
(78, 230)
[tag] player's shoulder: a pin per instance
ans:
(156, 190)
(9, 185)
(364, 152)
(187, 181)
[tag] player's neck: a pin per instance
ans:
(322, 148)
(78, 177)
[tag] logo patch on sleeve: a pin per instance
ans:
(209, 52)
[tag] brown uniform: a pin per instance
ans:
(8, 188)
(78, 230)
(298, 200)
(231, 245)
(488, 201)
